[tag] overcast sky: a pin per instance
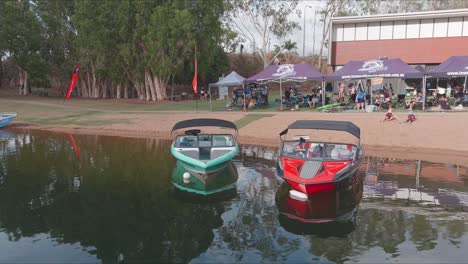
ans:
(310, 8)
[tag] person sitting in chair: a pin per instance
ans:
(313, 100)
(410, 103)
(341, 93)
(287, 94)
(443, 103)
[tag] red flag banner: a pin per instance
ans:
(73, 80)
(194, 81)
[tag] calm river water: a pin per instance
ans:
(88, 199)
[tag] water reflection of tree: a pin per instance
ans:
(387, 229)
(123, 206)
(254, 225)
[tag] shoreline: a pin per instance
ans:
(435, 136)
(447, 156)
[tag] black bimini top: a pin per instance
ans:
(203, 122)
(325, 125)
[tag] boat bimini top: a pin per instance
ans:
(203, 122)
(325, 125)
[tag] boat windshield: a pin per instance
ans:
(318, 150)
(204, 141)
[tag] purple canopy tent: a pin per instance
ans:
(287, 72)
(455, 66)
(387, 68)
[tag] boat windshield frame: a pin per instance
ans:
(356, 155)
(211, 140)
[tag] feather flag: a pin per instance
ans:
(73, 80)
(194, 81)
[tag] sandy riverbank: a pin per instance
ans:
(434, 137)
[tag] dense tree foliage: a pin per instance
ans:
(126, 48)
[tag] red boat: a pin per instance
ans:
(312, 167)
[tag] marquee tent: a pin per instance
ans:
(286, 72)
(455, 66)
(389, 68)
(232, 79)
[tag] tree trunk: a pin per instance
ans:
(140, 91)
(159, 88)
(20, 85)
(84, 88)
(117, 95)
(26, 88)
(147, 88)
(163, 85)
(93, 82)
(126, 90)
(88, 85)
(152, 85)
(104, 88)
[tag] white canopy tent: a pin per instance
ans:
(232, 79)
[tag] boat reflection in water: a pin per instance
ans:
(213, 182)
(324, 214)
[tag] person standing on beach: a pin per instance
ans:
(341, 91)
(352, 92)
(360, 98)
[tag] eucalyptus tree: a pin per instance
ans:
(262, 20)
(21, 33)
(58, 35)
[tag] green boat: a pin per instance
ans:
(204, 157)
(219, 181)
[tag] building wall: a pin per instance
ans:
(411, 51)
(415, 41)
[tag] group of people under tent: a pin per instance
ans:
(310, 96)
(254, 95)
(385, 96)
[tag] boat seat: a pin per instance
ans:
(191, 153)
(216, 153)
(219, 141)
(341, 152)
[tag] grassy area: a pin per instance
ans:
(249, 119)
(53, 112)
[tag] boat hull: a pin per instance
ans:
(6, 119)
(344, 182)
(324, 212)
(221, 178)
